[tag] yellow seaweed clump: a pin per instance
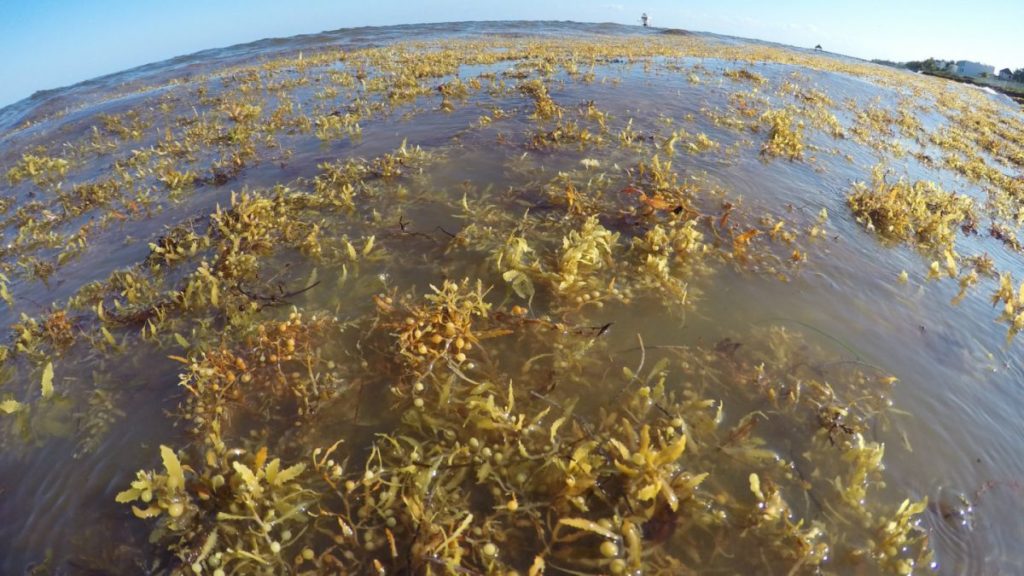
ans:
(278, 363)
(919, 213)
(545, 107)
(785, 135)
(669, 256)
(42, 170)
(584, 251)
(234, 513)
(161, 493)
(443, 328)
(1013, 304)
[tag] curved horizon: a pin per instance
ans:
(61, 45)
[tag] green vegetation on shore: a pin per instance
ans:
(1013, 87)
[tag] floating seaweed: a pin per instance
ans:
(406, 363)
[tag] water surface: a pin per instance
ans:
(477, 166)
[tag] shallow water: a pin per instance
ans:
(958, 377)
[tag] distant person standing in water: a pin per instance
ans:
(644, 19)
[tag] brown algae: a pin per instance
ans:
(399, 364)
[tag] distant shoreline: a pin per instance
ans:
(1017, 95)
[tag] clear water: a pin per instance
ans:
(958, 377)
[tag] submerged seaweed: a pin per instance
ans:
(358, 393)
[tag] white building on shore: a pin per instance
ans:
(973, 69)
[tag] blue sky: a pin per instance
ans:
(52, 43)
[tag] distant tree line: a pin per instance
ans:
(932, 65)
(929, 65)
